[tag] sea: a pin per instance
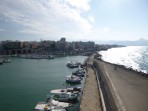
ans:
(135, 57)
(25, 82)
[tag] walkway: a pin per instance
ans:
(131, 87)
(90, 99)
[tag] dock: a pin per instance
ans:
(90, 100)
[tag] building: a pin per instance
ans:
(62, 40)
(7, 45)
(61, 45)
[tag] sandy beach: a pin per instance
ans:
(90, 99)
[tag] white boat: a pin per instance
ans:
(58, 108)
(53, 102)
(45, 107)
(51, 105)
(63, 96)
(73, 79)
(42, 106)
(73, 64)
(6, 61)
(79, 72)
(72, 90)
(50, 57)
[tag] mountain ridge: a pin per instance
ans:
(140, 42)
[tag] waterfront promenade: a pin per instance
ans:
(130, 88)
(91, 98)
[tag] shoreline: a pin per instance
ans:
(128, 69)
(99, 57)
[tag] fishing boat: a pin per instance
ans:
(79, 72)
(73, 64)
(53, 102)
(83, 65)
(73, 79)
(63, 96)
(58, 108)
(1, 62)
(6, 61)
(50, 57)
(75, 88)
(43, 106)
(66, 90)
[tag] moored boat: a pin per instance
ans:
(79, 72)
(73, 64)
(1, 62)
(50, 57)
(6, 61)
(43, 106)
(53, 102)
(73, 79)
(63, 96)
(58, 108)
(83, 65)
(72, 90)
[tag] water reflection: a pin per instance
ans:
(135, 56)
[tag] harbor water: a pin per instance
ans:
(25, 82)
(135, 57)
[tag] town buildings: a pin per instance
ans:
(62, 46)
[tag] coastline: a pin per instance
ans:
(99, 57)
(127, 68)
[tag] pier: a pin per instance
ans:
(91, 97)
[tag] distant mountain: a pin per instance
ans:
(140, 42)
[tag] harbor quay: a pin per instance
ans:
(90, 100)
(108, 87)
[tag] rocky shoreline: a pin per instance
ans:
(129, 69)
(99, 57)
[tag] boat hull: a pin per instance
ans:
(62, 99)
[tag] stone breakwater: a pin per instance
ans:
(107, 89)
(92, 99)
(112, 79)
(123, 88)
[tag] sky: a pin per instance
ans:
(85, 20)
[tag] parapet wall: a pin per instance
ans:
(112, 101)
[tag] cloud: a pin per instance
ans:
(48, 17)
(81, 4)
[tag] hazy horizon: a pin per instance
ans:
(85, 20)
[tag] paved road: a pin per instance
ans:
(132, 88)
